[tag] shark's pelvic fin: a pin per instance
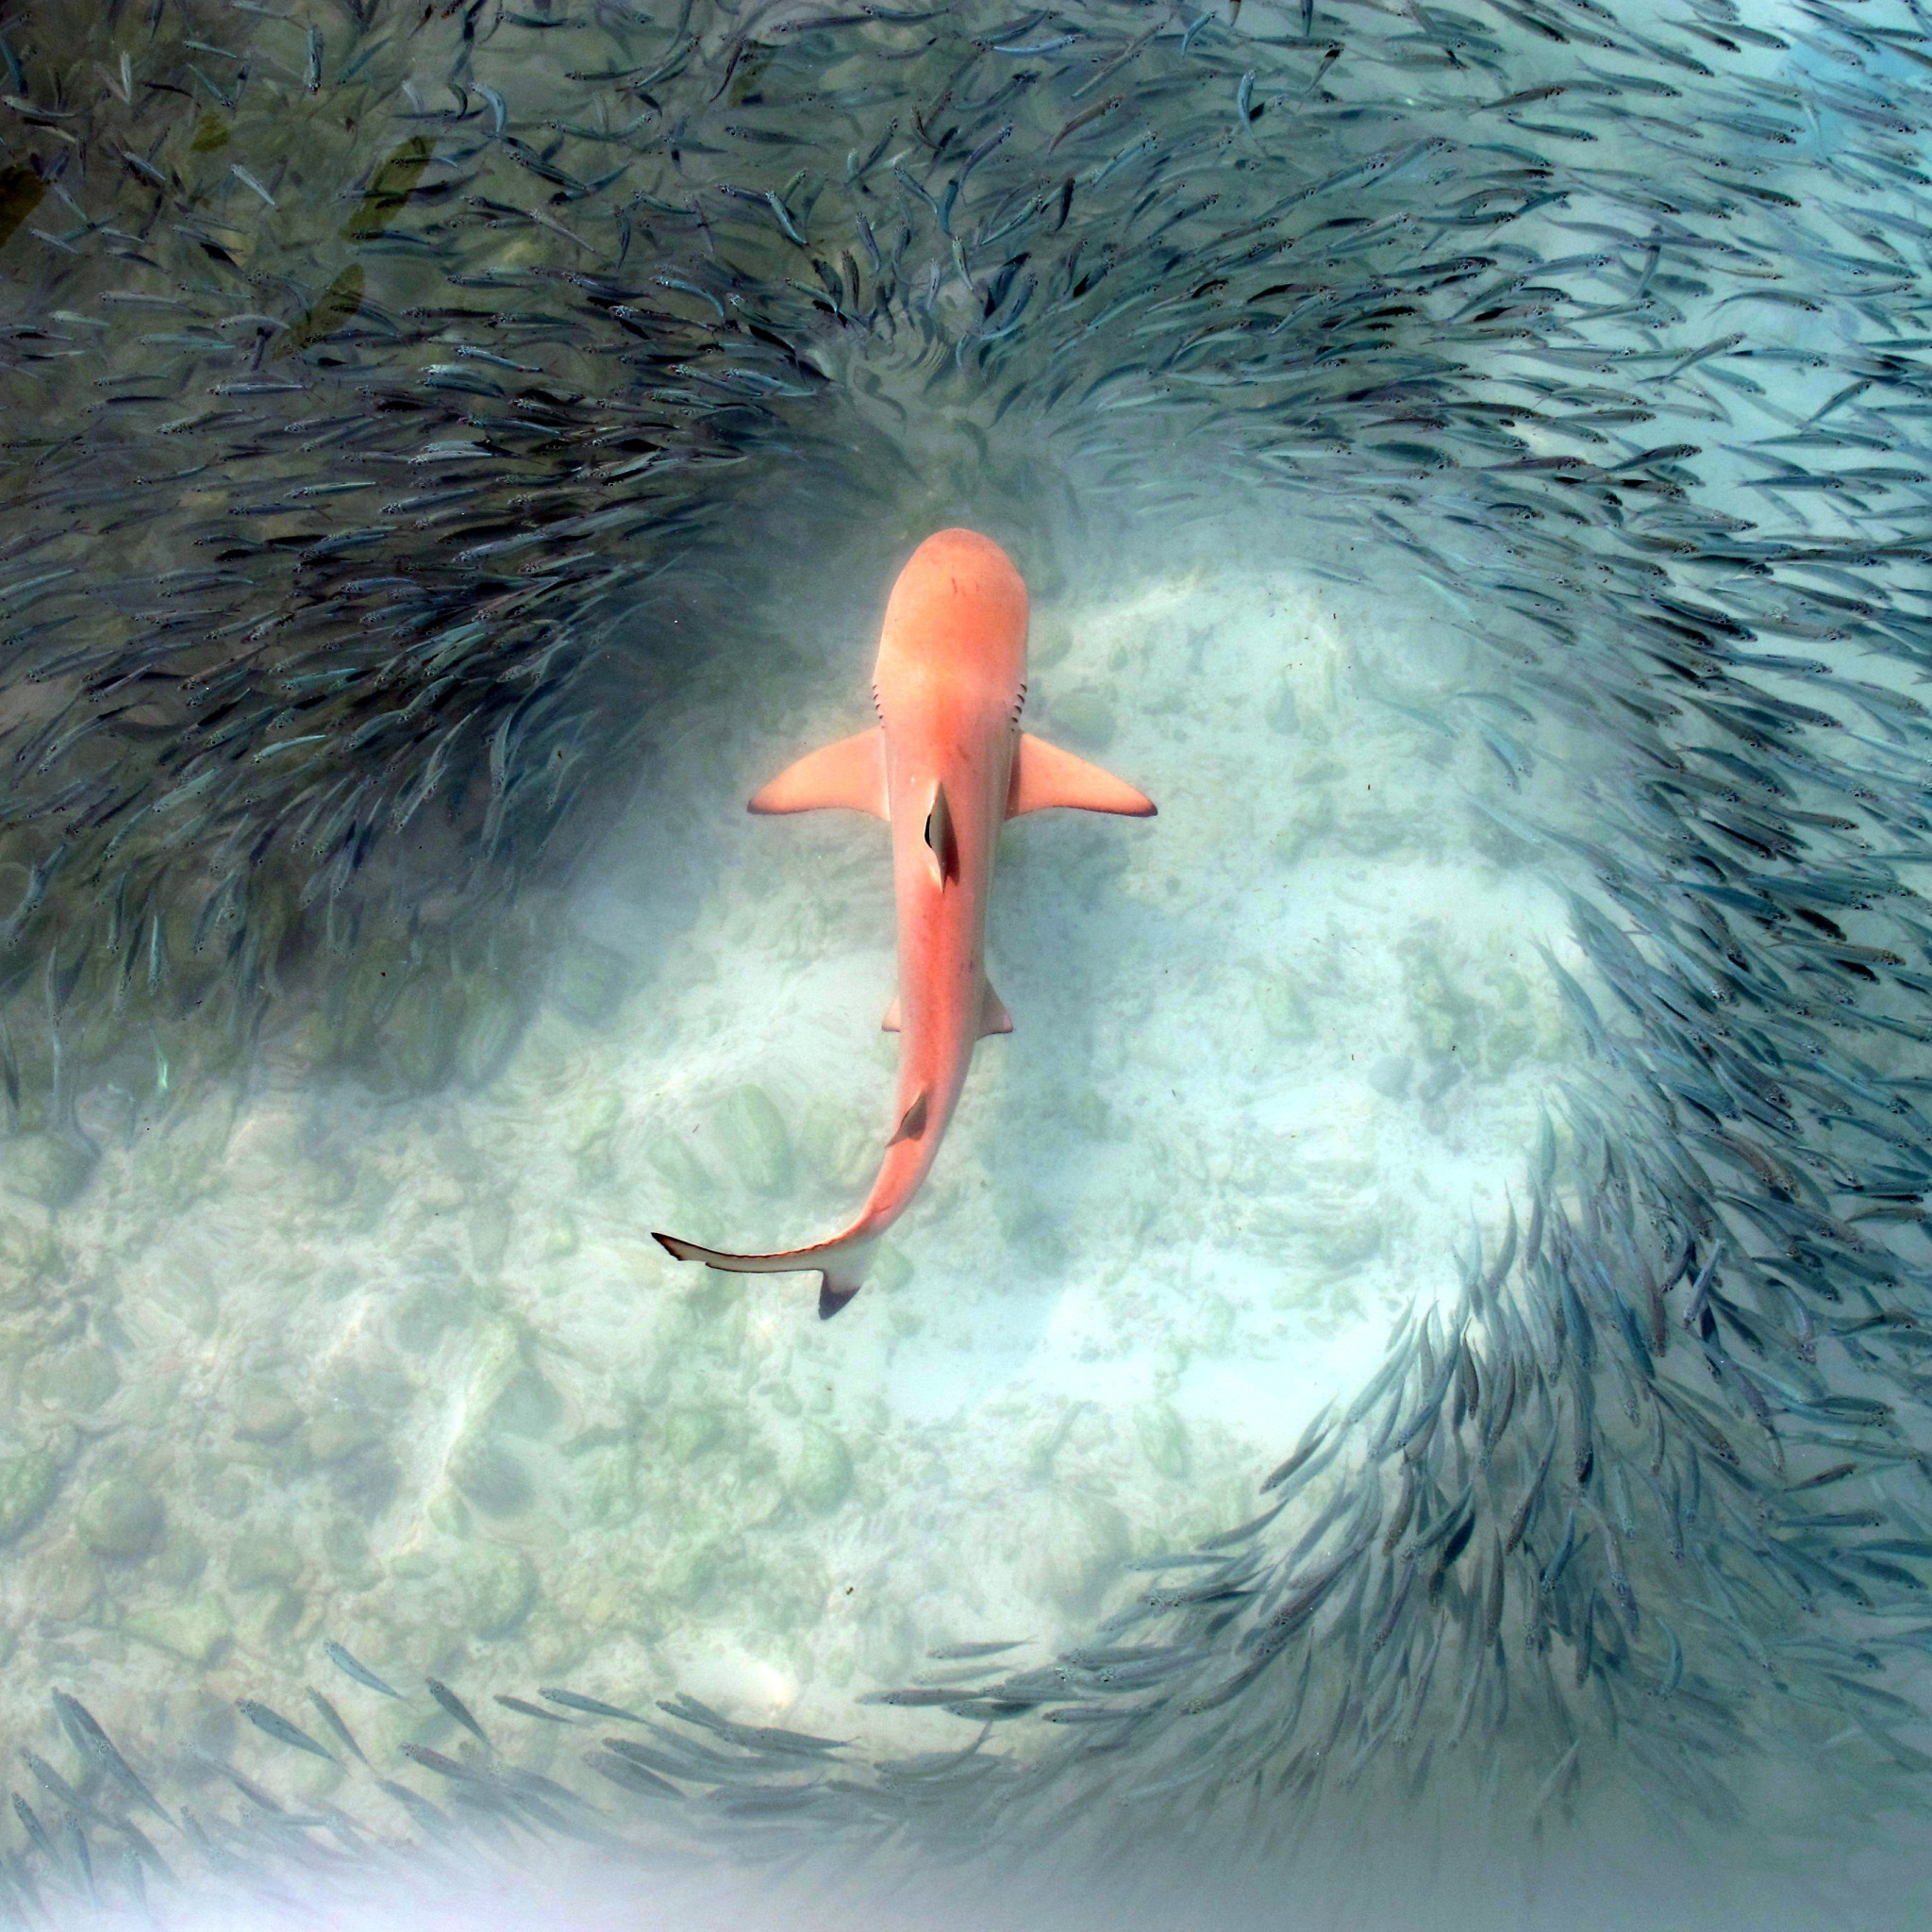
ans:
(846, 776)
(994, 1017)
(1046, 776)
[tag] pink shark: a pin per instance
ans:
(945, 766)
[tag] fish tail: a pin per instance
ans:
(839, 1264)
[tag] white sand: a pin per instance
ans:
(1274, 1051)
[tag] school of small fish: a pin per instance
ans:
(391, 394)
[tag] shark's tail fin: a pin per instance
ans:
(839, 1264)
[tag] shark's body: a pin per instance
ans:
(946, 766)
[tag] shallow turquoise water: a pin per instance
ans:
(357, 1334)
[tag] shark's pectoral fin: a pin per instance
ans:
(890, 1023)
(1044, 776)
(846, 776)
(994, 1017)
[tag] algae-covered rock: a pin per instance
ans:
(594, 1119)
(180, 1560)
(589, 982)
(686, 1570)
(27, 1482)
(340, 1431)
(1312, 817)
(753, 1135)
(185, 1163)
(1164, 1441)
(1509, 1035)
(122, 1519)
(491, 1477)
(491, 1020)
(502, 1359)
(528, 1406)
(1284, 1006)
(679, 1167)
(498, 1588)
(271, 1619)
(491, 1223)
(1390, 1075)
(607, 1487)
(50, 1168)
(80, 1379)
(1028, 1224)
(422, 1316)
(346, 1554)
(262, 1560)
(366, 1482)
(690, 1433)
(421, 1032)
(28, 1256)
(67, 1584)
(448, 1512)
(197, 1631)
(821, 1477)
(890, 1270)
(263, 1413)
(222, 1491)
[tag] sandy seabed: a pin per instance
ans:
(304, 1363)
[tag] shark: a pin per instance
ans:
(945, 766)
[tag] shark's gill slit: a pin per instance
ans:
(1469, 465)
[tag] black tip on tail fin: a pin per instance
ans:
(840, 1264)
(845, 1275)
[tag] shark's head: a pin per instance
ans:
(956, 623)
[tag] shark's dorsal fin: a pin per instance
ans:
(1046, 776)
(942, 838)
(846, 776)
(912, 1122)
(890, 1023)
